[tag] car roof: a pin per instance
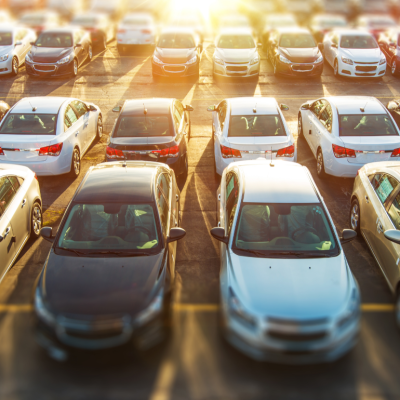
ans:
(284, 182)
(130, 182)
(153, 106)
(352, 104)
(235, 31)
(43, 104)
(246, 105)
(351, 32)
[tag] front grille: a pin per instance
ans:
(174, 60)
(359, 62)
(301, 67)
(45, 68)
(297, 337)
(93, 335)
(174, 68)
(364, 74)
(236, 63)
(365, 69)
(236, 68)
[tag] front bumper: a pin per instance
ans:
(178, 70)
(237, 70)
(300, 69)
(362, 70)
(48, 69)
(6, 66)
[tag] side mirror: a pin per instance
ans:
(47, 233)
(32, 43)
(321, 47)
(175, 234)
(189, 108)
(348, 235)
(78, 45)
(117, 109)
(284, 107)
(19, 43)
(305, 106)
(92, 108)
(334, 45)
(219, 234)
(211, 108)
(392, 106)
(393, 235)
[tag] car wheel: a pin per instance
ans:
(300, 126)
(104, 43)
(90, 53)
(355, 216)
(275, 68)
(394, 68)
(335, 68)
(320, 164)
(15, 66)
(36, 220)
(75, 164)
(99, 130)
(75, 67)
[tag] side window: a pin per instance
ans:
(232, 195)
(394, 212)
(77, 37)
(80, 108)
(163, 200)
(335, 39)
(7, 193)
(325, 117)
(20, 35)
(70, 117)
(383, 185)
(15, 182)
(222, 113)
(316, 107)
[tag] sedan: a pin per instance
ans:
(49, 135)
(20, 212)
(375, 23)
(276, 21)
(389, 44)
(59, 52)
(321, 24)
(41, 20)
(4, 109)
(286, 290)
(109, 276)
(346, 132)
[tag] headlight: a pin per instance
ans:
(192, 60)
(237, 311)
(383, 61)
(218, 61)
(284, 60)
(352, 310)
(157, 60)
(319, 60)
(255, 60)
(27, 58)
(347, 61)
(41, 311)
(152, 310)
(4, 58)
(65, 60)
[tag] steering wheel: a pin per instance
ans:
(303, 229)
(140, 228)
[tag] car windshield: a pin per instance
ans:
(115, 226)
(366, 125)
(33, 20)
(358, 42)
(176, 41)
(6, 38)
(53, 39)
(236, 42)
(256, 125)
(297, 40)
(29, 124)
(143, 126)
(84, 21)
(329, 23)
(276, 229)
(376, 23)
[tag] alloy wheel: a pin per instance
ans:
(75, 67)
(394, 67)
(90, 53)
(76, 162)
(36, 219)
(320, 163)
(15, 66)
(354, 216)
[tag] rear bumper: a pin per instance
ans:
(52, 166)
(140, 41)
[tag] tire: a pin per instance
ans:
(300, 126)
(90, 53)
(393, 68)
(336, 68)
(99, 128)
(14, 66)
(75, 164)
(320, 165)
(354, 216)
(104, 43)
(36, 220)
(75, 67)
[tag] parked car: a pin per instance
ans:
(321, 24)
(178, 53)
(100, 27)
(14, 45)
(40, 21)
(152, 130)
(246, 128)
(294, 52)
(59, 52)
(393, 107)
(189, 21)
(371, 6)
(136, 29)
(343, 7)
(49, 134)
(4, 109)
(375, 23)
(287, 293)
(346, 132)
(110, 273)
(389, 44)
(275, 21)
(354, 53)
(374, 212)
(20, 212)
(236, 55)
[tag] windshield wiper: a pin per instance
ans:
(298, 254)
(77, 252)
(121, 253)
(257, 253)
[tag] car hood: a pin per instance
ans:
(363, 55)
(306, 55)
(291, 288)
(6, 49)
(48, 54)
(235, 55)
(174, 55)
(99, 286)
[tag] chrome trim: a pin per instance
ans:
(6, 149)
(174, 65)
(47, 65)
(302, 70)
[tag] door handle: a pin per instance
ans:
(379, 226)
(177, 197)
(23, 202)
(77, 133)
(7, 232)
(309, 132)
(219, 197)
(367, 199)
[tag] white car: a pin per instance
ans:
(354, 53)
(49, 135)
(247, 128)
(286, 290)
(15, 42)
(40, 21)
(346, 132)
(236, 54)
(20, 212)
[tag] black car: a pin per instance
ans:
(152, 130)
(59, 52)
(4, 108)
(389, 42)
(177, 53)
(108, 279)
(294, 52)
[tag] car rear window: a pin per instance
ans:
(143, 126)
(255, 125)
(29, 124)
(366, 125)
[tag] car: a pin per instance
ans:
(152, 130)
(59, 52)
(246, 128)
(393, 106)
(14, 45)
(346, 132)
(342, 7)
(109, 276)
(389, 44)
(100, 27)
(287, 294)
(301, 9)
(294, 52)
(354, 53)
(374, 213)
(236, 55)
(275, 21)
(321, 24)
(49, 134)
(41, 20)
(4, 109)
(177, 54)
(190, 20)
(136, 29)
(20, 212)
(375, 23)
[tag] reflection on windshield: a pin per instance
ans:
(297, 40)
(236, 42)
(366, 125)
(54, 40)
(299, 228)
(358, 42)
(134, 126)
(259, 125)
(176, 41)
(29, 124)
(5, 38)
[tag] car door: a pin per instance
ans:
(231, 200)
(19, 45)
(74, 127)
(79, 49)
(88, 131)
(179, 129)
(324, 129)
(313, 125)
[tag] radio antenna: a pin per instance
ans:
(33, 108)
(362, 109)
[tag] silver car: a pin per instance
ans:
(20, 212)
(287, 292)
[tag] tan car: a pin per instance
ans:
(375, 213)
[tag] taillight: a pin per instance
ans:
(343, 152)
(395, 153)
(53, 150)
(171, 152)
(1, 152)
(227, 152)
(286, 152)
(35, 176)
(146, 31)
(114, 153)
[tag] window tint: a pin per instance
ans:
(15, 182)
(176, 41)
(6, 38)
(297, 40)
(70, 117)
(222, 113)
(317, 106)
(394, 212)
(50, 39)
(325, 117)
(138, 126)
(7, 192)
(80, 108)
(28, 124)
(383, 185)
(177, 118)
(256, 125)
(232, 195)
(366, 125)
(163, 201)
(358, 42)
(236, 42)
